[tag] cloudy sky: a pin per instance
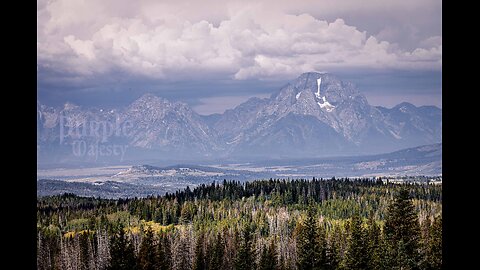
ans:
(214, 55)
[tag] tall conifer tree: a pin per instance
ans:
(245, 259)
(310, 243)
(147, 256)
(357, 253)
(402, 232)
(122, 254)
(268, 257)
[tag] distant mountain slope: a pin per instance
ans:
(109, 189)
(323, 98)
(143, 180)
(417, 125)
(291, 136)
(315, 115)
(157, 123)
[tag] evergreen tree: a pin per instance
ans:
(164, 252)
(268, 257)
(432, 244)
(435, 244)
(216, 253)
(310, 245)
(83, 239)
(245, 259)
(122, 254)
(357, 253)
(199, 262)
(373, 244)
(386, 254)
(332, 255)
(402, 259)
(147, 255)
(402, 232)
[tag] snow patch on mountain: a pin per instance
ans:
(325, 104)
(398, 137)
(319, 82)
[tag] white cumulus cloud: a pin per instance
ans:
(161, 39)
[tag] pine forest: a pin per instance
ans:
(263, 224)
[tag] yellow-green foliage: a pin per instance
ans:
(71, 234)
(79, 223)
(156, 227)
(52, 230)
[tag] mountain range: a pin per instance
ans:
(315, 115)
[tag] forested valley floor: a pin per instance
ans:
(264, 224)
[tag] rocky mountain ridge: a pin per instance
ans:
(315, 115)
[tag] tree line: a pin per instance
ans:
(265, 224)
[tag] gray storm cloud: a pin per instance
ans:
(154, 39)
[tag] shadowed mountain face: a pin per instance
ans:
(316, 115)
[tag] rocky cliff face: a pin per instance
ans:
(321, 103)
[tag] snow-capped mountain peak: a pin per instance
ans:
(317, 114)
